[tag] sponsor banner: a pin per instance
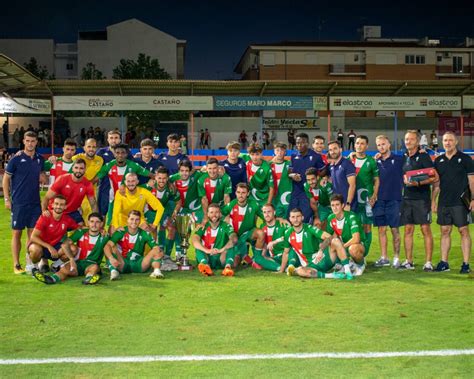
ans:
(22, 105)
(396, 103)
(468, 102)
(453, 124)
(320, 103)
(255, 103)
(132, 103)
(287, 123)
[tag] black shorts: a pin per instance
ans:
(415, 212)
(457, 215)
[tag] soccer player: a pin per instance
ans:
(234, 166)
(74, 187)
(303, 159)
(146, 160)
(21, 194)
(242, 212)
(343, 175)
(416, 204)
(281, 181)
(116, 170)
(106, 153)
(274, 230)
(125, 250)
(173, 157)
(259, 175)
(319, 191)
(134, 198)
(167, 195)
(367, 186)
(214, 244)
(307, 254)
(318, 146)
(87, 247)
(346, 226)
(213, 188)
(186, 182)
(48, 233)
(63, 164)
(387, 207)
(456, 182)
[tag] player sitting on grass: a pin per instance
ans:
(273, 229)
(125, 250)
(242, 214)
(310, 252)
(87, 245)
(48, 233)
(346, 226)
(214, 244)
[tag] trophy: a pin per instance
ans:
(183, 227)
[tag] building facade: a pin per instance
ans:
(104, 48)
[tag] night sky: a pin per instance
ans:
(217, 34)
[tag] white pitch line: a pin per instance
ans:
(237, 357)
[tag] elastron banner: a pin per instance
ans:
(23, 105)
(133, 103)
(396, 103)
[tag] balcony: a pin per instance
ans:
(450, 72)
(346, 70)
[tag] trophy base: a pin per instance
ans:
(185, 267)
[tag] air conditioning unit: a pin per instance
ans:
(446, 55)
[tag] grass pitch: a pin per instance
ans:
(253, 312)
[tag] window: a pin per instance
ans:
(414, 59)
(267, 59)
(457, 65)
(69, 66)
(439, 58)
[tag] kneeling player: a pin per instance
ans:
(214, 244)
(306, 255)
(87, 245)
(48, 233)
(126, 247)
(346, 226)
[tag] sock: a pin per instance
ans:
(347, 267)
(323, 275)
(56, 278)
(161, 238)
(368, 237)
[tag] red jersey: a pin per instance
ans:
(74, 192)
(52, 231)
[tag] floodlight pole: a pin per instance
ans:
(191, 121)
(462, 131)
(329, 126)
(52, 125)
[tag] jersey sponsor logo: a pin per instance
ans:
(23, 160)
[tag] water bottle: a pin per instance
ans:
(368, 209)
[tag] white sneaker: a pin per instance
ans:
(29, 268)
(114, 275)
(359, 269)
(428, 267)
(157, 274)
(396, 263)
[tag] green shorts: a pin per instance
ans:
(132, 265)
(82, 266)
(151, 214)
(244, 238)
(324, 212)
(364, 219)
(325, 264)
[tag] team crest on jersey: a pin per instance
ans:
(459, 160)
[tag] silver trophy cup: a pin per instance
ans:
(183, 227)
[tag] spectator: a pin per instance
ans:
(243, 139)
(423, 141)
(90, 132)
(291, 139)
(340, 138)
(265, 140)
(16, 138)
(5, 134)
(273, 138)
(255, 138)
(351, 140)
(83, 136)
(202, 138)
(207, 139)
(434, 140)
(184, 144)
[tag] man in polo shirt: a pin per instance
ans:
(234, 166)
(416, 209)
(343, 175)
(21, 192)
(173, 157)
(387, 207)
(456, 177)
(300, 162)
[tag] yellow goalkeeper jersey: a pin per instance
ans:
(93, 165)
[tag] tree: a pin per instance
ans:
(143, 68)
(90, 72)
(37, 70)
